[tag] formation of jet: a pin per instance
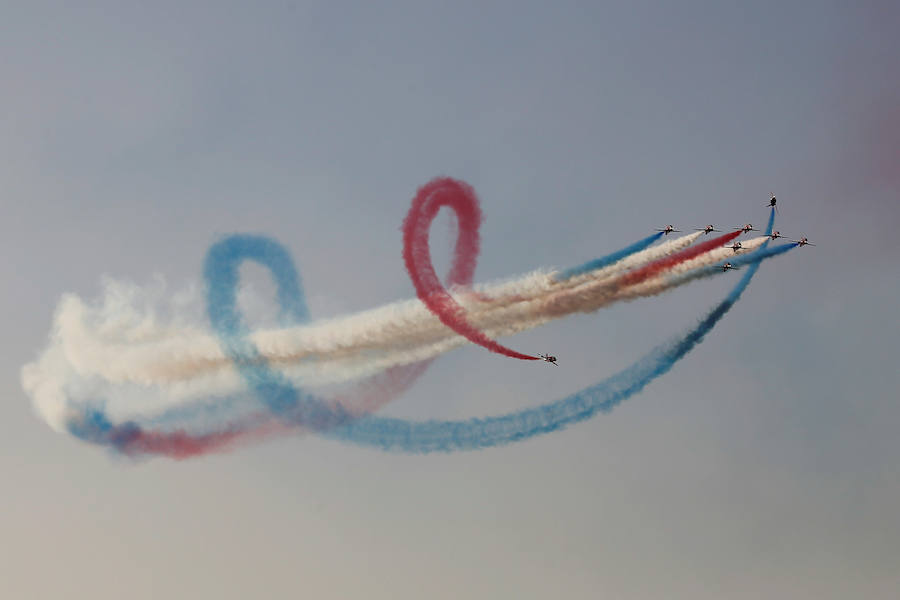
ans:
(803, 241)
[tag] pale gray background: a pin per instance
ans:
(764, 465)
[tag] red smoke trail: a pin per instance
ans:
(654, 268)
(181, 445)
(459, 196)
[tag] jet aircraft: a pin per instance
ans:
(550, 359)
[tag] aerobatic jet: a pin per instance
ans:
(728, 266)
(803, 242)
(548, 358)
(775, 235)
(748, 228)
(668, 229)
(772, 203)
(735, 246)
(707, 229)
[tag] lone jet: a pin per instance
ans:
(548, 358)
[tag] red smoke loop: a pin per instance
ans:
(459, 196)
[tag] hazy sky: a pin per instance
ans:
(764, 465)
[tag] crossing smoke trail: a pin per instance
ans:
(659, 266)
(224, 420)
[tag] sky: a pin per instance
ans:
(133, 135)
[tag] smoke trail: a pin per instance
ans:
(417, 255)
(685, 255)
(599, 263)
(626, 263)
(705, 265)
(763, 253)
(136, 440)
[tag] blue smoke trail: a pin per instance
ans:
(599, 263)
(753, 259)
